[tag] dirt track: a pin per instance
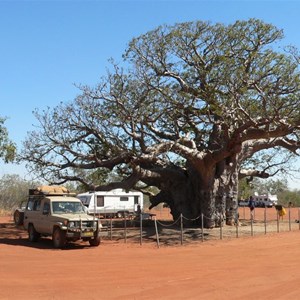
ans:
(261, 267)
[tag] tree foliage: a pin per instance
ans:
(262, 187)
(289, 197)
(196, 102)
(13, 190)
(7, 147)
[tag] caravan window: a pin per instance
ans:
(123, 198)
(136, 199)
(85, 200)
(100, 200)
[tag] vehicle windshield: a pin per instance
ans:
(61, 207)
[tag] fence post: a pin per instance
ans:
(141, 228)
(265, 219)
(202, 226)
(299, 217)
(125, 229)
(237, 227)
(277, 221)
(110, 228)
(290, 228)
(221, 227)
(251, 224)
(157, 237)
(181, 229)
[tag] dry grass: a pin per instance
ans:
(5, 213)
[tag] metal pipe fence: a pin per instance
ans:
(176, 232)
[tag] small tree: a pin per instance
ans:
(7, 148)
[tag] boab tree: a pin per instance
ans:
(196, 101)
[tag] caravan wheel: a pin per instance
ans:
(122, 214)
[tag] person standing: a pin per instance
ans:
(251, 204)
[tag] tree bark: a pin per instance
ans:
(216, 199)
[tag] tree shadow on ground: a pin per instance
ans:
(166, 234)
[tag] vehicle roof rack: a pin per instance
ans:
(50, 190)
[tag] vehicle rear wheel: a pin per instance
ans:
(18, 219)
(33, 235)
(59, 238)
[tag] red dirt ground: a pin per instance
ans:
(258, 267)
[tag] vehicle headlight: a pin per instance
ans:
(95, 223)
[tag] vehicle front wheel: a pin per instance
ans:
(95, 241)
(59, 238)
(33, 235)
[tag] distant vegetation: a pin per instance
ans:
(278, 187)
(289, 196)
(13, 190)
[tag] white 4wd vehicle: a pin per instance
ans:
(51, 211)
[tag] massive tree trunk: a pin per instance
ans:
(229, 188)
(192, 204)
(215, 199)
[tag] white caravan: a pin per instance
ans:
(114, 203)
(267, 200)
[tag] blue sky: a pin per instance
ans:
(48, 46)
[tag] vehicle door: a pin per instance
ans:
(46, 223)
(32, 213)
(27, 212)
